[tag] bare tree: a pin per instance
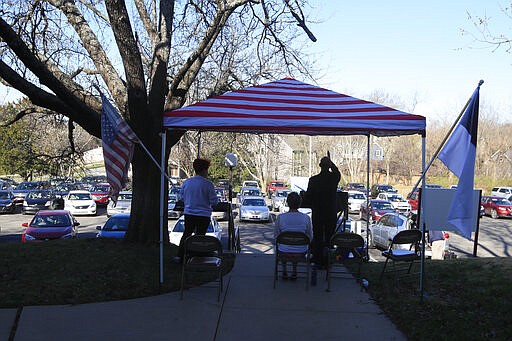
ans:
(150, 56)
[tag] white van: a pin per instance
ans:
(503, 192)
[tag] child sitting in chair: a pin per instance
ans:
(295, 221)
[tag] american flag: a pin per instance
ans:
(118, 141)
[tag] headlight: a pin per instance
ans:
(29, 237)
(25, 203)
(48, 203)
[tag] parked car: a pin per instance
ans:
(115, 226)
(397, 200)
(377, 208)
(95, 178)
(175, 190)
(496, 207)
(80, 202)
(355, 200)
(254, 208)
(412, 199)
(100, 194)
(62, 189)
(9, 183)
(354, 186)
(49, 225)
(176, 232)
(503, 192)
(273, 186)
(279, 198)
(123, 204)
(379, 188)
(37, 200)
(221, 194)
(23, 188)
(248, 192)
(171, 203)
(381, 232)
(7, 202)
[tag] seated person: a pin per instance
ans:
(295, 221)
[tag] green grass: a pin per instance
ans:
(464, 299)
(86, 270)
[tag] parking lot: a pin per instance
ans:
(494, 240)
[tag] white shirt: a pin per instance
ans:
(295, 222)
(199, 196)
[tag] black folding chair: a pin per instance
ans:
(202, 254)
(403, 258)
(345, 248)
(303, 260)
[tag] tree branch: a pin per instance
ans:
(90, 42)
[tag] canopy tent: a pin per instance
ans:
(288, 106)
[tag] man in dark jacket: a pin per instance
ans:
(321, 197)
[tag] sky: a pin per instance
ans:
(414, 48)
(409, 49)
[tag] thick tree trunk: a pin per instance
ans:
(145, 214)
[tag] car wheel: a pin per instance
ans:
(494, 214)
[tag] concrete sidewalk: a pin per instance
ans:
(250, 309)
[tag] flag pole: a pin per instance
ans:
(444, 140)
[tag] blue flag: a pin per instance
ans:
(458, 154)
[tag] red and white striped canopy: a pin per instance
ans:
(288, 106)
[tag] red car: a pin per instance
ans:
(496, 207)
(412, 198)
(274, 185)
(377, 209)
(100, 194)
(48, 225)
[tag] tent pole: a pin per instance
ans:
(367, 195)
(162, 197)
(198, 143)
(422, 218)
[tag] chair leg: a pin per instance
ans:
(275, 271)
(384, 268)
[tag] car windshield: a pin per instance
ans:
(502, 202)
(395, 198)
(4, 195)
(251, 192)
(282, 194)
(116, 224)
(47, 221)
(254, 202)
(100, 189)
(39, 195)
(27, 185)
(278, 184)
(356, 196)
(180, 226)
(125, 196)
(80, 196)
(382, 205)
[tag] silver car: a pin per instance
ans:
(123, 205)
(279, 198)
(386, 228)
(254, 208)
